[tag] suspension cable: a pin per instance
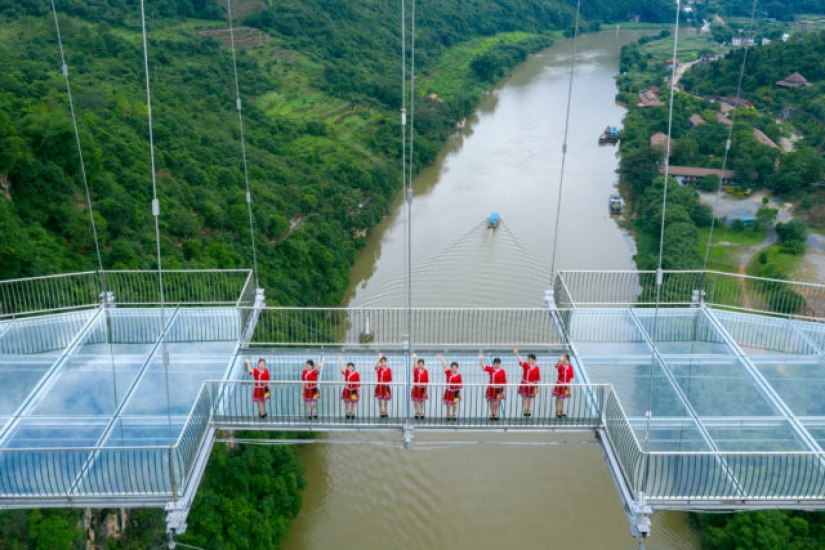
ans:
(564, 145)
(156, 214)
(243, 142)
(748, 34)
(659, 273)
(65, 69)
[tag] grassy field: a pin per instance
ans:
(452, 73)
(692, 44)
(728, 246)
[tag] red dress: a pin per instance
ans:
(562, 390)
(452, 395)
(383, 391)
(498, 378)
(260, 393)
(420, 380)
(352, 389)
(311, 390)
(529, 380)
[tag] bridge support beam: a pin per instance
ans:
(409, 433)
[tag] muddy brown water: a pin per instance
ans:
(507, 158)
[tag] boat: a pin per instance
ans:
(610, 135)
(615, 203)
(492, 221)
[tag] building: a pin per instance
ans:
(649, 98)
(763, 139)
(722, 119)
(695, 120)
(794, 80)
(659, 139)
(688, 175)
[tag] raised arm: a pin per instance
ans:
(341, 363)
(443, 362)
(248, 363)
(378, 361)
(481, 359)
(520, 360)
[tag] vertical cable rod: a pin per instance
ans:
(65, 69)
(238, 106)
(748, 35)
(156, 214)
(564, 145)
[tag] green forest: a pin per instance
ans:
(775, 112)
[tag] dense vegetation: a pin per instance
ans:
(775, 112)
(321, 128)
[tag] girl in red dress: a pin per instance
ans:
(495, 391)
(530, 377)
(452, 395)
(562, 391)
(312, 393)
(419, 391)
(260, 391)
(352, 389)
(383, 391)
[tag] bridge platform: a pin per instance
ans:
(710, 399)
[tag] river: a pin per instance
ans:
(507, 158)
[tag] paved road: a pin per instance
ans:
(733, 208)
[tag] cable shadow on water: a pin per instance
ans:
(480, 268)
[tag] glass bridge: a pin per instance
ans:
(707, 398)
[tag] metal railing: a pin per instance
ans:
(232, 407)
(698, 476)
(89, 289)
(116, 471)
(215, 287)
(385, 328)
(49, 294)
(687, 288)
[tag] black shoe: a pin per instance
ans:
(564, 416)
(526, 414)
(263, 415)
(529, 414)
(315, 416)
(496, 419)
(309, 417)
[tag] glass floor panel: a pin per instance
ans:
(683, 332)
(94, 380)
(756, 438)
(683, 438)
(190, 364)
(720, 389)
(631, 381)
(19, 374)
(818, 432)
(30, 433)
(142, 431)
(799, 383)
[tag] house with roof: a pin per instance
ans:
(659, 139)
(763, 139)
(649, 98)
(688, 175)
(722, 119)
(794, 80)
(695, 120)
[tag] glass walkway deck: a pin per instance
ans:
(710, 401)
